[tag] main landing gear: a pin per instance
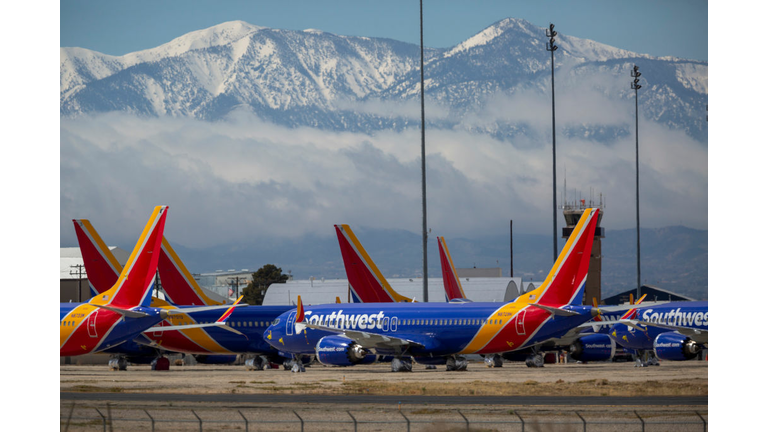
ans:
(535, 360)
(118, 363)
(494, 361)
(456, 363)
(256, 363)
(295, 365)
(645, 359)
(401, 365)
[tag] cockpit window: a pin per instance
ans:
(276, 321)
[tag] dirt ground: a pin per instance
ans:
(594, 379)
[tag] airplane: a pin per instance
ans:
(443, 333)
(582, 345)
(210, 343)
(207, 343)
(673, 331)
(122, 312)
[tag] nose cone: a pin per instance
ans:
(274, 336)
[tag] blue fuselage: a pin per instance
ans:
(685, 314)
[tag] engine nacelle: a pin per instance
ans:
(594, 347)
(341, 351)
(674, 346)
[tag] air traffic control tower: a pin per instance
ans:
(572, 212)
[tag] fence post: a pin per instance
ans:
(150, 419)
(521, 419)
(465, 419)
(199, 420)
(69, 417)
(246, 420)
(704, 422)
(582, 420)
(353, 420)
(641, 420)
(300, 419)
(109, 416)
(407, 420)
(103, 419)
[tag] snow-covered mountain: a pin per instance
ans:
(340, 82)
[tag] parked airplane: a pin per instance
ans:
(442, 333)
(581, 344)
(670, 331)
(122, 312)
(204, 342)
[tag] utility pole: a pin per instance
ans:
(635, 86)
(79, 272)
(551, 47)
(423, 160)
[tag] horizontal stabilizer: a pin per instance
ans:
(192, 326)
(124, 312)
(554, 310)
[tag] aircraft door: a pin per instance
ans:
(91, 324)
(520, 322)
(289, 324)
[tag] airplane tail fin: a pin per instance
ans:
(451, 281)
(566, 281)
(101, 266)
(365, 280)
(632, 313)
(178, 284)
(134, 285)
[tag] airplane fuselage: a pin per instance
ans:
(442, 328)
(686, 314)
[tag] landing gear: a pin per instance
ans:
(430, 367)
(118, 363)
(297, 365)
(535, 360)
(456, 363)
(256, 363)
(494, 361)
(645, 359)
(401, 365)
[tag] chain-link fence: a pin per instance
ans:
(113, 417)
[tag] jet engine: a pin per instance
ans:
(674, 346)
(594, 347)
(341, 351)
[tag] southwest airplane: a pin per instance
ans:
(180, 331)
(442, 333)
(207, 344)
(581, 346)
(671, 331)
(122, 312)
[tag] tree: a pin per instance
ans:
(256, 290)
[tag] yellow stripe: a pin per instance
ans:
(101, 245)
(488, 331)
(187, 275)
(361, 251)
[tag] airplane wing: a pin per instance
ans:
(191, 326)
(370, 340)
(125, 312)
(696, 334)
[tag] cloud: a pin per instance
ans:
(244, 179)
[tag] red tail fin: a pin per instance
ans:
(451, 281)
(100, 264)
(179, 285)
(365, 280)
(565, 282)
(134, 286)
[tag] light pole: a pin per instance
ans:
(423, 159)
(635, 86)
(551, 47)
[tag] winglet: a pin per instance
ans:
(338, 300)
(300, 324)
(229, 311)
(134, 285)
(365, 280)
(451, 281)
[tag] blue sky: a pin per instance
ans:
(660, 28)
